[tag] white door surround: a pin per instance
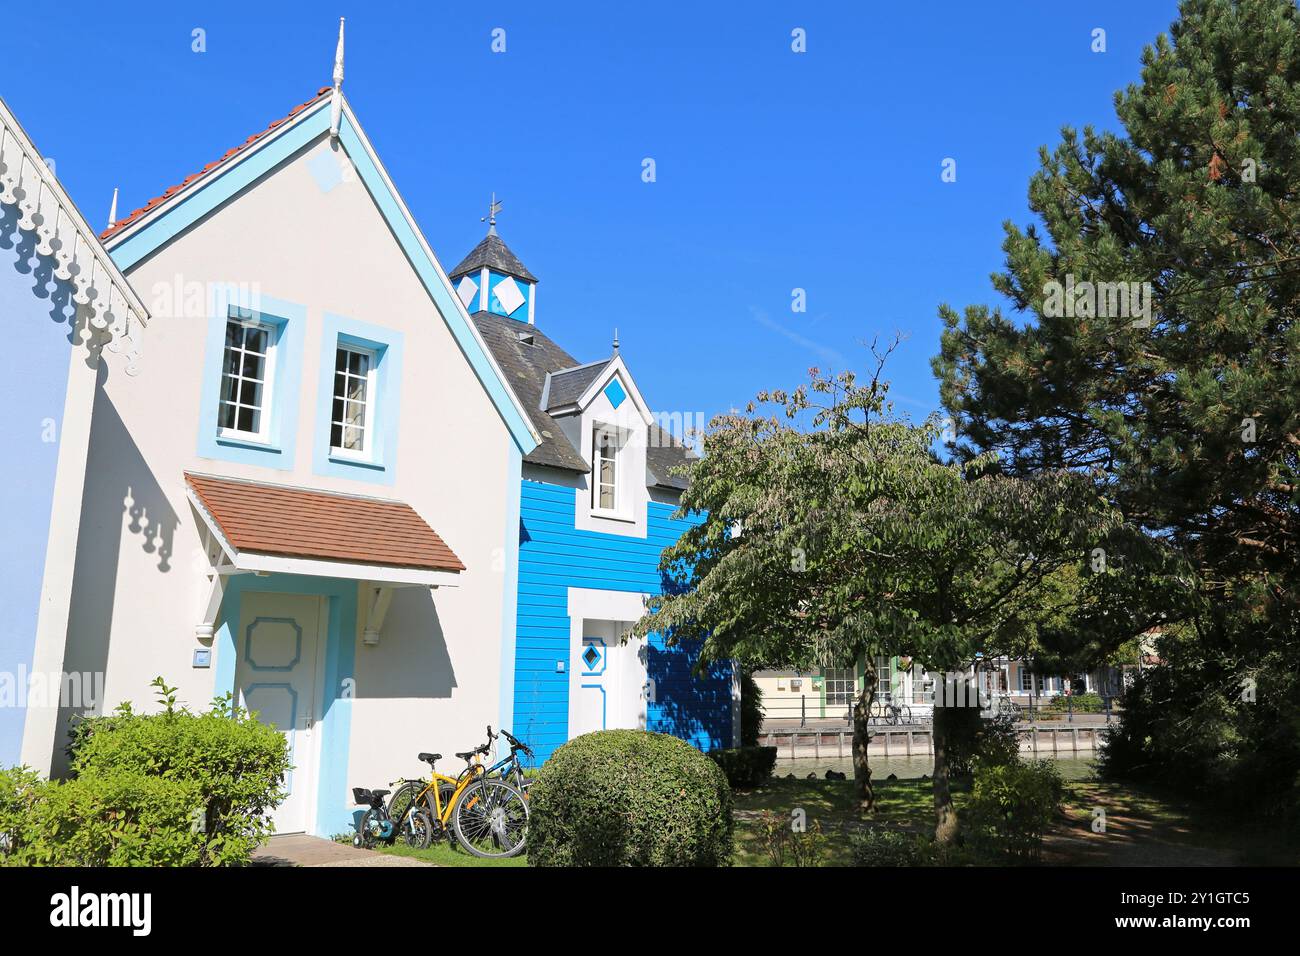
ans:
(278, 674)
(607, 678)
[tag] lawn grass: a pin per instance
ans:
(1145, 826)
(903, 804)
(441, 854)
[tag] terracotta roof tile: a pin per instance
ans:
(183, 184)
(298, 523)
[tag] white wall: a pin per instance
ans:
(434, 680)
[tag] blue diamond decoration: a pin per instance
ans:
(591, 656)
(614, 392)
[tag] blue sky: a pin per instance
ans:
(775, 170)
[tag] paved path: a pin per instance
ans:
(298, 849)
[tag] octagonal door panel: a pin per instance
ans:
(279, 641)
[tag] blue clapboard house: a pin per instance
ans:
(596, 511)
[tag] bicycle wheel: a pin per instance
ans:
(905, 714)
(362, 839)
(416, 828)
(399, 804)
(491, 819)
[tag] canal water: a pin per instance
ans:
(1072, 767)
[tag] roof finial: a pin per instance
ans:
(494, 207)
(336, 98)
(112, 210)
(615, 340)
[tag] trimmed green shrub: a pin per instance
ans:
(1011, 806)
(745, 767)
(123, 819)
(173, 788)
(19, 791)
(236, 762)
(629, 798)
(1079, 703)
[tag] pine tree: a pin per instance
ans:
(1193, 420)
(1186, 404)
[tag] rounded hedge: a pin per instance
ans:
(629, 798)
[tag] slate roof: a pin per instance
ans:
(664, 452)
(300, 523)
(568, 385)
(526, 366)
(494, 254)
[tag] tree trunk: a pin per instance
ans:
(862, 789)
(945, 816)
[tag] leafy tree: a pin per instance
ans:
(832, 531)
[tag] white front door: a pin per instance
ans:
(591, 687)
(279, 640)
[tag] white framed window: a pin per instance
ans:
(247, 376)
(352, 415)
(604, 470)
(841, 684)
(1026, 679)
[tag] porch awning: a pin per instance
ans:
(274, 528)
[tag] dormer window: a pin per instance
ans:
(604, 471)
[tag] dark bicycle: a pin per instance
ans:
(377, 826)
(888, 711)
(511, 769)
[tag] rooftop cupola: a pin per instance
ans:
(492, 279)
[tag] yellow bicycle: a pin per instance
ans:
(485, 815)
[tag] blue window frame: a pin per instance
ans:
(248, 409)
(357, 402)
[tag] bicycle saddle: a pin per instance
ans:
(379, 794)
(468, 754)
(430, 758)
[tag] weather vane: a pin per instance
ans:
(494, 207)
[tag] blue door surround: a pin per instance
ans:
(333, 814)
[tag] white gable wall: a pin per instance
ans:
(437, 669)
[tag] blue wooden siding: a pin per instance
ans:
(555, 556)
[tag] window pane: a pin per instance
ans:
(357, 389)
(354, 413)
(336, 435)
(607, 496)
(250, 393)
(337, 416)
(340, 360)
(234, 334)
(226, 415)
(255, 340)
(248, 419)
(253, 365)
(352, 440)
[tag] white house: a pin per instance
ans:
(309, 493)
